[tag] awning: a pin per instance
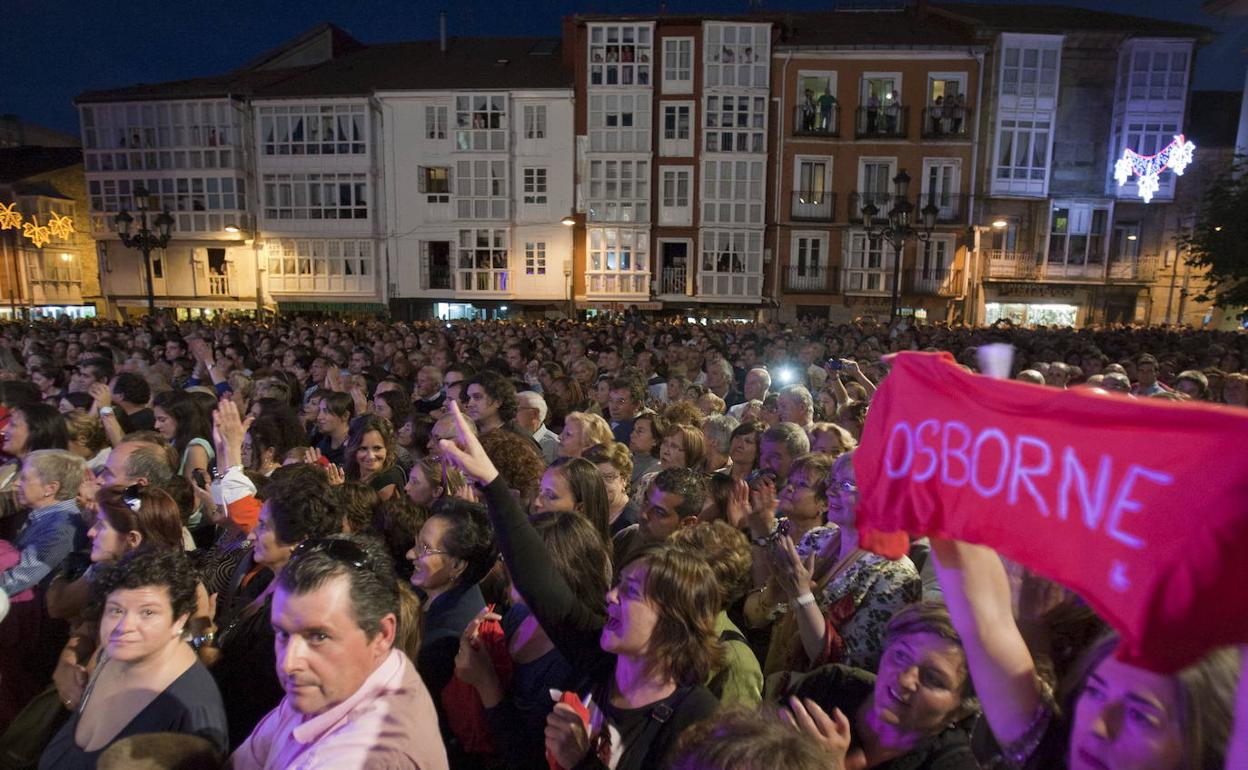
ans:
(331, 307)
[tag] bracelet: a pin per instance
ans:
(805, 600)
(768, 539)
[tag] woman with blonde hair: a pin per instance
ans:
(581, 430)
(87, 439)
(831, 439)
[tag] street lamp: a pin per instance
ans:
(897, 229)
(145, 239)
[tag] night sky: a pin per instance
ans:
(55, 49)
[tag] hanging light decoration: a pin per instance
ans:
(1147, 168)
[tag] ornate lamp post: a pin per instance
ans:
(144, 238)
(898, 228)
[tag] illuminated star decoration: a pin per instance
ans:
(1175, 156)
(38, 234)
(10, 217)
(60, 227)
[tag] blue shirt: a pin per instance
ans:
(45, 542)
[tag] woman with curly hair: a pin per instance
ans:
(147, 679)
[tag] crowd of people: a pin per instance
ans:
(621, 543)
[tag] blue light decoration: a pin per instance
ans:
(1175, 156)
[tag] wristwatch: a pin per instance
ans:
(106, 411)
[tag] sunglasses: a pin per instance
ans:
(130, 496)
(338, 549)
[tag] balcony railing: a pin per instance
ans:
(811, 206)
(810, 279)
(946, 122)
(219, 285)
(887, 121)
(673, 281)
(952, 206)
(942, 283)
(863, 281)
(817, 122)
(1012, 264)
(1138, 270)
(882, 201)
(440, 278)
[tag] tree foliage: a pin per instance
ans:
(1218, 243)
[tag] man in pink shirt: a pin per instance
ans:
(352, 699)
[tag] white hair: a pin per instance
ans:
(532, 398)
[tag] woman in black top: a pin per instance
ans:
(372, 455)
(916, 714)
(146, 601)
(642, 669)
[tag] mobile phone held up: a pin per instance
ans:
(200, 477)
(834, 364)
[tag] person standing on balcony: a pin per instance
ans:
(936, 113)
(955, 114)
(808, 111)
(827, 104)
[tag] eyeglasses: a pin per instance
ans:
(338, 549)
(846, 486)
(425, 550)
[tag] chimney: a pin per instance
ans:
(442, 30)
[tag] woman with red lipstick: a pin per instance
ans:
(372, 455)
(642, 668)
(1112, 716)
(916, 713)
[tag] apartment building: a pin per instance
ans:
(192, 145)
(479, 153)
(861, 98)
(672, 132)
(1066, 91)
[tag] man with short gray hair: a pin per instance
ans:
(531, 413)
(757, 385)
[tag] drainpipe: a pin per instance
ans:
(973, 279)
(775, 252)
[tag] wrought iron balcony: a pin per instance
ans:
(810, 206)
(809, 279)
(945, 282)
(946, 122)
(816, 122)
(887, 121)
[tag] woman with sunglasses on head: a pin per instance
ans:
(644, 667)
(147, 679)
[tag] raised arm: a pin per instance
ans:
(977, 593)
(564, 617)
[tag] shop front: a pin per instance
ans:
(1036, 304)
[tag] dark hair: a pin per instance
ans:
(277, 429)
(132, 388)
(339, 404)
(498, 388)
(148, 568)
(374, 590)
(301, 504)
(580, 555)
(46, 427)
(400, 406)
(636, 390)
(658, 428)
(103, 368)
(397, 522)
(360, 427)
(192, 420)
(357, 503)
(682, 588)
(81, 401)
(156, 516)
(727, 551)
(15, 393)
(687, 484)
(516, 460)
(469, 537)
(588, 490)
